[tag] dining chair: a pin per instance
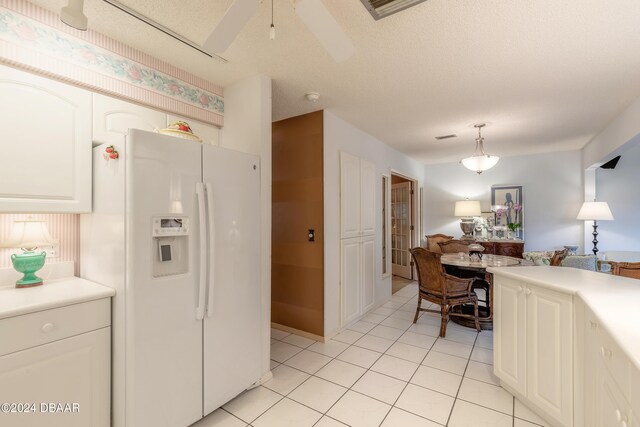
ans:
(454, 246)
(558, 256)
(438, 287)
(625, 269)
(433, 241)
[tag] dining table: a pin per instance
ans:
(471, 266)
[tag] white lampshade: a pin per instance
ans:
(595, 211)
(29, 234)
(467, 208)
(480, 163)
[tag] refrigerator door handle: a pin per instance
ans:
(200, 193)
(212, 250)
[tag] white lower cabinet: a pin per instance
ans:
(357, 277)
(608, 379)
(65, 382)
(533, 347)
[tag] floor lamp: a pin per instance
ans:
(595, 211)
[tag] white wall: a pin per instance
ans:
(342, 136)
(552, 189)
(619, 188)
(247, 128)
(622, 129)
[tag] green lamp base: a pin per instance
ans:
(28, 263)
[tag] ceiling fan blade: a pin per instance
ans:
(230, 25)
(326, 29)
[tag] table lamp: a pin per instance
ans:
(28, 235)
(467, 209)
(595, 211)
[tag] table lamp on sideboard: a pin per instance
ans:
(595, 211)
(467, 209)
(28, 235)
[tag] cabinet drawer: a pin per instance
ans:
(614, 359)
(30, 330)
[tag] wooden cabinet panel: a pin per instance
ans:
(349, 196)
(506, 248)
(350, 277)
(368, 262)
(112, 119)
(46, 150)
(74, 370)
(510, 333)
(367, 197)
(549, 352)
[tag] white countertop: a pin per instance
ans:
(614, 300)
(52, 294)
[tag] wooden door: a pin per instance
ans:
(550, 352)
(401, 232)
(509, 333)
(350, 278)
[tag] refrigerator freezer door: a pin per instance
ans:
(232, 334)
(163, 335)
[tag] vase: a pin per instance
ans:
(510, 234)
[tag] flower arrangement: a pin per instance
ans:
(516, 207)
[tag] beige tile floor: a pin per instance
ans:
(381, 371)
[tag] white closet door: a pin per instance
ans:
(367, 197)
(349, 195)
(368, 263)
(350, 279)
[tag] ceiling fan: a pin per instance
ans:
(313, 13)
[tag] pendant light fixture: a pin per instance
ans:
(272, 29)
(480, 161)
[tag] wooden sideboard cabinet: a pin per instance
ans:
(511, 248)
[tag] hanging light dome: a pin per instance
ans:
(480, 161)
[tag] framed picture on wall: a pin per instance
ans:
(507, 202)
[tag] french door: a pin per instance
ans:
(401, 229)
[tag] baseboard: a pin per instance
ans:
(298, 332)
(266, 377)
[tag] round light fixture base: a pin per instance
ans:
(312, 96)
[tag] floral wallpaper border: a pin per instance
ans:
(38, 46)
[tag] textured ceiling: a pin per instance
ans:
(545, 75)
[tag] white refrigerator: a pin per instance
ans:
(175, 229)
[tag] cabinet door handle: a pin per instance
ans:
(618, 415)
(593, 324)
(606, 353)
(47, 327)
(527, 291)
(520, 289)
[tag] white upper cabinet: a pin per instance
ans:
(46, 145)
(208, 133)
(349, 196)
(367, 197)
(357, 196)
(112, 119)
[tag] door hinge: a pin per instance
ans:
(411, 227)
(412, 192)
(411, 263)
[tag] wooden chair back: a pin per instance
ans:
(433, 241)
(432, 278)
(455, 246)
(557, 257)
(626, 269)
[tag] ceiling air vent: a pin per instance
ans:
(453, 135)
(382, 8)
